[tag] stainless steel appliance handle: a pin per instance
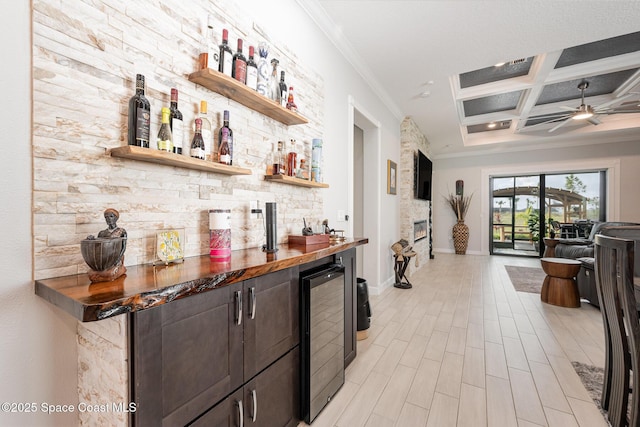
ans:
(254, 396)
(240, 412)
(238, 308)
(252, 302)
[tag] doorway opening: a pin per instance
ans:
(363, 192)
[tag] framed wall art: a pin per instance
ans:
(392, 169)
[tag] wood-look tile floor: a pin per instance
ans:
(463, 348)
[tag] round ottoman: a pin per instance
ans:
(560, 287)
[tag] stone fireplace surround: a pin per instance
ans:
(412, 210)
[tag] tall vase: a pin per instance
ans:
(460, 237)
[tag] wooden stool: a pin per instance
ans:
(560, 287)
(550, 247)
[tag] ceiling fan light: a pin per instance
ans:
(583, 113)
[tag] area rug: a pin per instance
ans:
(592, 378)
(526, 279)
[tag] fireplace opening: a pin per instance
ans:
(419, 230)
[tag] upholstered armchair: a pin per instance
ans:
(583, 251)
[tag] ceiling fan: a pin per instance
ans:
(587, 112)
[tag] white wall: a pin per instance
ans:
(38, 357)
(624, 196)
(38, 352)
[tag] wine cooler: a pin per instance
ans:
(322, 341)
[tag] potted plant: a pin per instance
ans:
(533, 221)
(460, 205)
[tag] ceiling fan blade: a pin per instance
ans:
(546, 122)
(559, 125)
(613, 101)
(564, 107)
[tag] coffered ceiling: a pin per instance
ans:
(437, 62)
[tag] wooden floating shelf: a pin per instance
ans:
(170, 159)
(295, 181)
(239, 92)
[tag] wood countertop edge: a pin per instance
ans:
(86, 311)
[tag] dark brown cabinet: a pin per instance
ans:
(350, 313)
(191, 354)
(270, 399)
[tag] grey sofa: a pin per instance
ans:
(583, 251)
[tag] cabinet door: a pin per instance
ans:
(271, 326)
(272, 398)
(350, 301)
(186, 356)
(227, 413)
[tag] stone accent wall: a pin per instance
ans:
(103, 375)
(85, 58)
(411, 209)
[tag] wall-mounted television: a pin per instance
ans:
(422, 176)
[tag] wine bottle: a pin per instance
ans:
(224, 155)
(291, 104)
(176, 124)
(207, 134)
(226, 55)
(197, 143)
(225, 138)
(210, 52)
(252, 70)
(240, 65)
(139, 116)
(283, 90)
(165, 139)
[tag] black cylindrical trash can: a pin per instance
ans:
(363, 307)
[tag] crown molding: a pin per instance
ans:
(335, 35)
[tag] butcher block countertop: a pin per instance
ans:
(146, 286)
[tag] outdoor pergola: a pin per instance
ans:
(572, 204)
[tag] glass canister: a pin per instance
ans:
(220, 234)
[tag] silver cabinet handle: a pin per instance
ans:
(254, 396)
(241, 412)
(252, 301)
(238, 308)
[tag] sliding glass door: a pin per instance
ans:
(515, 215)
(573, 201)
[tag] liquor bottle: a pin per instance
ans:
(274, 87)
(165, 140)
(283, 90)
(291, 104)
(291, 159)
(240, 65)
(177, 128)
(263, 70)
(277, 167)
(252, 71)
(207, 131)
(197, 144)
(139, 116)
(226, 55)
(225, 140)
(210, 52)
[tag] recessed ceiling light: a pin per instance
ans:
(491, 125)
(425, 94)
(499, 64)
